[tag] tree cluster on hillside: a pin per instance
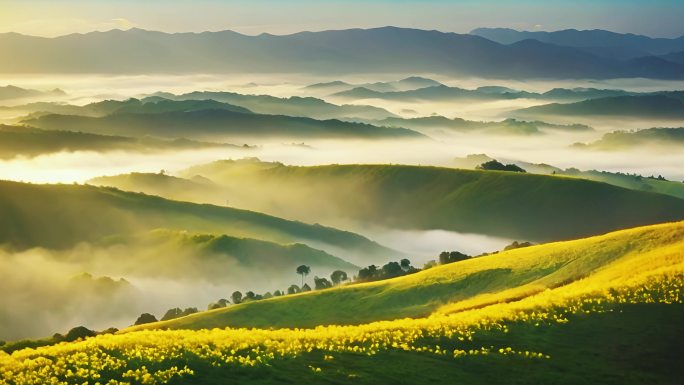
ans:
(446, 257)
(498, 166)
(387, 271)
(177, 312)
(517, 245)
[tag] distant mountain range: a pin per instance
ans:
(378, 50)
(215, 122)
(621, 46)
(293, 106)
(662, 105)
(439, 125)
(658, 138)
(407, 84)
(30, 142)
(13, 92)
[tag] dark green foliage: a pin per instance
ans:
(306, 287)
(249, 296)
(189, 310)
(145, 318)
(338, 276)
(451, 257)
(303, 270)
(369, 273)
(321, 283)
(517, 245)
(293, 289)
(236, 297)
(391, 270)
(498, 166)
(387, 271)
(172, 313)
(80, 332)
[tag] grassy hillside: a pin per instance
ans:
(59, 216)
(514, 205)
(216, 259)
(29, 142)
(613, 320)
(507, 276)
(213, 124)
(629, 181)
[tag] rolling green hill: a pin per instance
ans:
(29, 142)
(212, 124)
(60, 216)
(603, 309)
(514, 205)
(629, 181)
(510, 276)
(217, 259)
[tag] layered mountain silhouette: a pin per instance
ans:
(597, 42)
(378, 50)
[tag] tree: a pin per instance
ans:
(267, 295)
(321, 283)
(81, 332)
(277, 293)
(172, 314)
(306, 287)
(517, 245)
(368, 273)
(190, 310)
(236, 297)
(391, 270)
(452, 256)
(303, 270)
(405, 264)
(145, 318)
(498, 166)
(249, 296)
(223, 302)
(294, 289)
(338, 276)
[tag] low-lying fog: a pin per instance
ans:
(551, 149)
(45, 300)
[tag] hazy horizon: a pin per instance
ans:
(56, 18)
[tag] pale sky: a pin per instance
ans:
(658, 18)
